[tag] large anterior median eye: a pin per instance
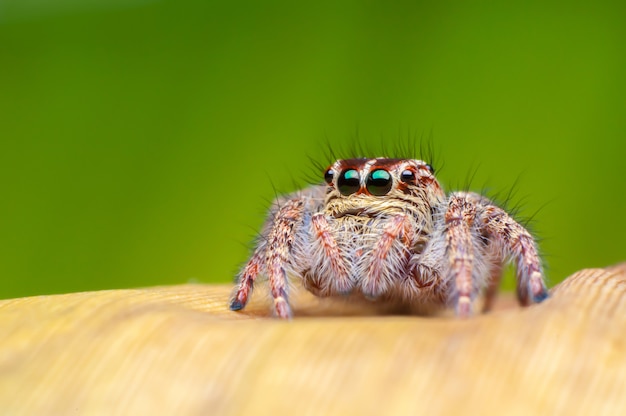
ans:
(379, 182)
(349, 182)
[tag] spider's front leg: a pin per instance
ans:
(388, 259)
(272, 256)
(468, 219)
(245, 280)
(515, 242)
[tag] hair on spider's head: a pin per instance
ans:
(406, 145)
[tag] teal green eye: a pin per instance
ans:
(349, 182)
(379, 182)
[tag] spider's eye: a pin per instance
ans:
(407, 176)
(430, 168)
(328, 175)
(349, 182)
(379, 182)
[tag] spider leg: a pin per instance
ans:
(272, 256)
(471, 215)
(515, 242)
(334, 263)
(495, 274)
(279, 243)
(387, 259)
(424, 273)
(247, 277)
(459, 218)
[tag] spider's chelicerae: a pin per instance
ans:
(384, 229)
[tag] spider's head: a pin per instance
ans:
(370, 187)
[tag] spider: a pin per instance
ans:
(384, 229)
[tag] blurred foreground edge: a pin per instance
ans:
(179, 350)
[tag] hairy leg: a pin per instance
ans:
(280, 240)
(459, 218)
(423, 275)
(332, 274)
(495, 276)
(385, 258)
(272, 256)
(515, 241)
(247, 277)
(509, 239)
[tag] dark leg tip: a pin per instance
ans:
(540, 297)
(236, 305)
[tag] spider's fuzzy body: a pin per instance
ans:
(384, 229)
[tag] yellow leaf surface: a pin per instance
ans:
(179, 350)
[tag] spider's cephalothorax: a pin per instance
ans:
(384, 229)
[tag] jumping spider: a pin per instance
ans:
(384, 229)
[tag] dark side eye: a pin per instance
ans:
(379, 182)
(430, 168)
(407, 176)
(349, 182)
(328, 175)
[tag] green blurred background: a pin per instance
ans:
(141, 140)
